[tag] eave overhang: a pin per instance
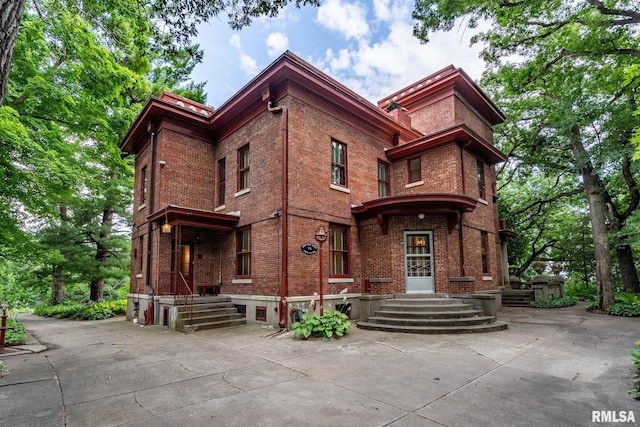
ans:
(413, 204)
(289, 67)
(460, 135)
(453, 78)
(152, 115)
(179, 215)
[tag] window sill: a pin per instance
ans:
(483, 201)
(414, 184)
(142, 206)
(340, 188)
(341, 280)
(241, 281)
(220, 208)
(241, 192)
(487, 278)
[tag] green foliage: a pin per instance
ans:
(15, 336)
(565, 301)
(94, 311)
(622, 309)
(331, 323)
(581, 292)
(592, 305)
(635, 356)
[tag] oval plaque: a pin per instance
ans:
(309, 249)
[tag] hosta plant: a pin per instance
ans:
(331, 323)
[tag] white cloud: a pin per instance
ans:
(381, 9)
(248, 65)
(377, 69)
(349, 19)
(234, 40)
(277, 43)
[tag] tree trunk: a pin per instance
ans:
(627, 267)
(597, 212)
(10, 16)
(58, 285)
(102, 254)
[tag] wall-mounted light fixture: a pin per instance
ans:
(420, 215)
(166, 227)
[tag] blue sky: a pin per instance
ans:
(366, 45)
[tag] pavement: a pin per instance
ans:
(550, 368)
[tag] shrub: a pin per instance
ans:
(565, 301)
(15, 336)
(329, 324)
(581, 292)
(622, 309)
(94, 311)
(591, 305)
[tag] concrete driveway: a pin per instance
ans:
(550, 368)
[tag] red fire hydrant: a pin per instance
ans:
(3, 325)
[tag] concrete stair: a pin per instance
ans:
(208, 313)
(430, 314)
(517, 297)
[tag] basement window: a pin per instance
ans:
(261, 313)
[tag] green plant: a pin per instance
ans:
(626, 298)
(581, 292)
(565, 301)
(622, 309)
(635, 356)
(16, 335)
(95, 311)
(329, 324)
(591, 305)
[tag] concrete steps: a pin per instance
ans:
(430, 314)
(209, 313)
(517, 297)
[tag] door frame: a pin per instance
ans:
(429, 281)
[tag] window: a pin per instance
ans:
(339, 247)
(415, 173)
(338, 163)
(140, 252)
(481, 187)
(243, 168)
(222, 169)
(383, 179)
(484, 241)
(261, 313)
(143, 186)
(243, 252)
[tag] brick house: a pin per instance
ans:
(404, 190)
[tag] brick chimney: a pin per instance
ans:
(401, 116)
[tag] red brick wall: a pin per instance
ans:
(469, 117)
(434, 117)
(187, 178)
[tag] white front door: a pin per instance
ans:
(418, 261)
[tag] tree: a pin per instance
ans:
(561, 69)
(171, 20)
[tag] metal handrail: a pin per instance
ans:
(188, 296)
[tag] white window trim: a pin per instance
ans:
(487, 278)
(220, 208)
(339, 188)
(341, 280)
(241, 281)
(241, 192)
(414, 184)
(483, 201)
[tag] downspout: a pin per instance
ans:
(151, 190)
(284, 134)
(464, 191)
